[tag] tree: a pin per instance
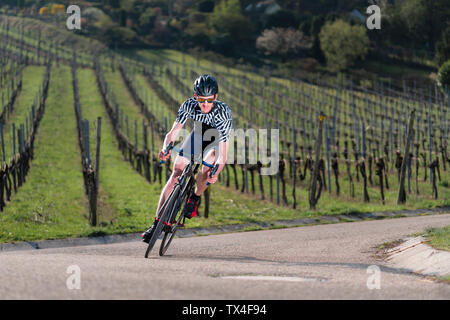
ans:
(228, 20)
(443, 47)
(147, 19)
(317, 23)
(412, 13)
(282, 42)
(425, 19)
(443, 77)
(395, 31)
(343, 44)
(305, 25)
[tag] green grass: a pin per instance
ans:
(158, 108)
(444, 279)
(129, 109)
(395, 70)
(390, 244)
(31, 82)
(51, 204)
(127, 200)
(439, 238)
(51, 33)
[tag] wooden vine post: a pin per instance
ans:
(312, 191)
(401, 191)
(94, 197)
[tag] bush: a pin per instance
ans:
(443, 76)
(282, 42)
(148, 18)
(121, 35)
(198, 17)
(343, 44)
(228, 21)
(443, 47)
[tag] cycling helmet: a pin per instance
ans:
(206, 85)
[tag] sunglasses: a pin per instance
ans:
(201, 100)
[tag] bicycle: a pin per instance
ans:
(170, 215)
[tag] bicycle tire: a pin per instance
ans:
(162, 219)
(169, 235)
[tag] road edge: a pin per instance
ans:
(419, 258)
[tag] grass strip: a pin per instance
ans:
(439, 238)
(52, 203)
(127, 202)
(32, 80)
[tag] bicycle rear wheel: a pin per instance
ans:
(163, 218)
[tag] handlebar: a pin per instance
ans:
(214, 168)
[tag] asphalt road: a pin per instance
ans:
(334, 261)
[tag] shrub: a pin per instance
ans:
(443, 76)
(282, 42)
(443, 47)
(343, 44)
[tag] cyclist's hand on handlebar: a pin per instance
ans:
(163, 156)
(213, 179)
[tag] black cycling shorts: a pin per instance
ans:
(200, 142)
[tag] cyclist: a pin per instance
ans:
(212, 126)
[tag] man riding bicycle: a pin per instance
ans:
(212, 126)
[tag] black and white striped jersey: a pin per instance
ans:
(220, 116)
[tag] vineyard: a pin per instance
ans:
(81, 126)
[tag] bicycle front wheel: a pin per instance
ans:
(170, 233)
(163, 218)
(168, 236)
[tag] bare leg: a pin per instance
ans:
(203, 176)
(178, 167)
